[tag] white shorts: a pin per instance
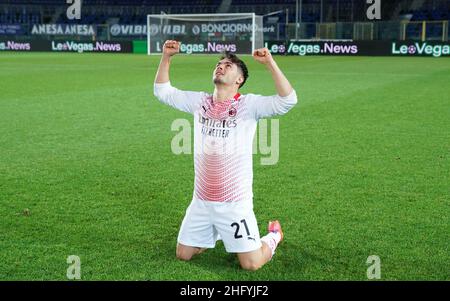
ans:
(233, 222)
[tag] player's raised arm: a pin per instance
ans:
(185, 101)
(282, 85)
(170, 48)
(266, 106)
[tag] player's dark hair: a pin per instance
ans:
(235, 60)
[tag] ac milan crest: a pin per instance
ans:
(232, 112)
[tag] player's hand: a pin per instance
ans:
(263, 56)
(171, 47)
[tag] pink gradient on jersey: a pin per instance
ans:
(220, 177)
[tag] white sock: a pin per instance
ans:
(272, 239)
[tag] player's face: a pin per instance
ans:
(226, 73)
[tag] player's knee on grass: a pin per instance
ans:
(185, 253)
(250, 261)
(250, 265)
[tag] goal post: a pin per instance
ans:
(239, 33)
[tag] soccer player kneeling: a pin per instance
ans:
(225, 124)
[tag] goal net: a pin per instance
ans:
(206, 33)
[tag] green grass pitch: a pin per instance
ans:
(86, 169)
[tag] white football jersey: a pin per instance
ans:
(223, 138)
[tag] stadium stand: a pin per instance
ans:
(277, 13)
(134, 11)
